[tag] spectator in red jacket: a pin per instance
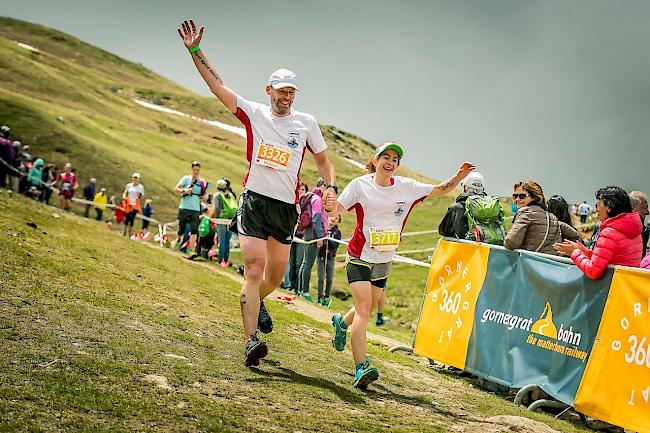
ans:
(619, 240)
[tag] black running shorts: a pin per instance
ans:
(376, 273)
(259, 216)
(188, 216)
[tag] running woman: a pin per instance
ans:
(277, 139)
(382, 203)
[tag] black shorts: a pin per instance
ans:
(260, 216)
(188, 216)
(129, 218)
(375, 273)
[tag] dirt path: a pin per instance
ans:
(299, 305)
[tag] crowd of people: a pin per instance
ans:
(546, 226)
(283, 226)
(23, 173)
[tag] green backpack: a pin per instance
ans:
(485, 218)
(204, 227)
(228, 205)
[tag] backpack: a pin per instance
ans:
(67, 183)
(304, 220)
(228, 205)
(204, 227)
(485, 219)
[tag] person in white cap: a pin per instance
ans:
(382, 202)
(454, 224)
(277, 139)
(131, 202)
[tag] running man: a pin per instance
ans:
(277, 139)
(382, 203)
(192, 190)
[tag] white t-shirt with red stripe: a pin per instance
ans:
(380, 208)
(291, 135)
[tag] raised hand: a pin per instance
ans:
(465, 169)
(189, 35)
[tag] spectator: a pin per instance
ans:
(558, 206)
(89, 194)
(23, 172)
(534, 228)
(147, 212)
(192, 190)
(35, 179)
(584, 210)
(454, 223)
(67, 186)
(297, 252)
(100, 200)
(316, 230)
(6, 154)
(224, 206)
(131, 199)
(619, 241)
(326, 261)
(26, 155)
(50, 173)
(381, 302)
(15, 173)
(639, 201)
(645, 263)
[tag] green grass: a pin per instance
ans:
(86, 315)
(74, 102)
(108, 136)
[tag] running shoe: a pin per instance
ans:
(264, 322)
(255, 350)
(306, 296)
(365, 374)
(340, 333)
(223, 264)
(381, 321)
(326, 302)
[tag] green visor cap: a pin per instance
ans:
(390, 145)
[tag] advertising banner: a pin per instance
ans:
(518, 319)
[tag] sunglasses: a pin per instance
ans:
(519, 196)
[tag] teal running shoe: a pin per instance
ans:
(340, 333)
(306, 296)
(326, 302)
(365, 374)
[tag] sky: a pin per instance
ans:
(554, 91)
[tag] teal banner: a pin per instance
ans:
(535, 322)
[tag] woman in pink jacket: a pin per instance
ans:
(619, 241)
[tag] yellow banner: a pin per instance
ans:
(616, 385)
(455, 278)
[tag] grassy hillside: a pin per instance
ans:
(103, 334)
(74, 102)
(106, 135)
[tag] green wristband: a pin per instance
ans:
(194, 49)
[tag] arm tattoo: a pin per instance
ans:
(445, 185)
(205, 64)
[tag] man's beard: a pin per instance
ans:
(279, 109)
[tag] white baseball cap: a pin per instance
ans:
(390, 145)
(283, 78)
(474, 182)
(136, 174)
